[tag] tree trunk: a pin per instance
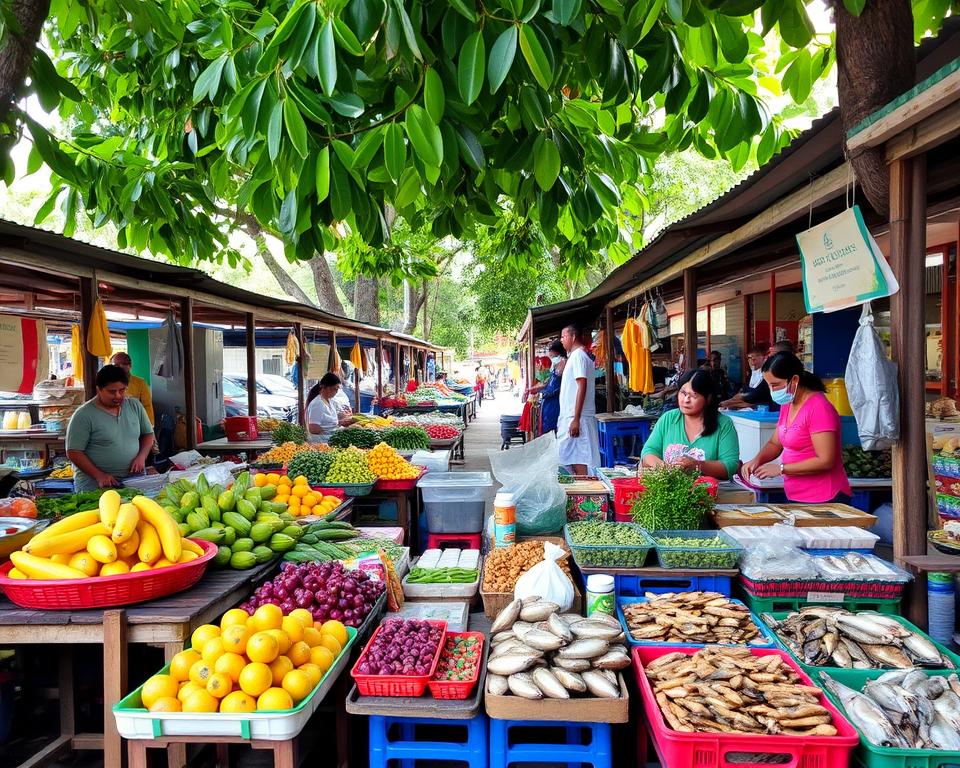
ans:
(410, 307)
(17, 53)
(327, 298)
(426, 309)
(875, 64)
(287, 284)
(366, 300)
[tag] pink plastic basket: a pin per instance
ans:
(726, 750)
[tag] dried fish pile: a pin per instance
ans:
(822, 636)
(536, 652)
(691, 617)
(905, 709)
(729, 690)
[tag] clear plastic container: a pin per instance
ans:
(727, 555)
(455, 502)
(612, 555)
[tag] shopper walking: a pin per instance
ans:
(577, 434)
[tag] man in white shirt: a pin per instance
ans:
(578, 437)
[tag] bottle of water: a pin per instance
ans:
(941, 597)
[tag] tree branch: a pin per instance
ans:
(287, 284)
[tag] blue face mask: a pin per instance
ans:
(782, 396)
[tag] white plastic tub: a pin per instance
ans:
(455, 502)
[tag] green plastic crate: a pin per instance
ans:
(771, 604)
(869, 755)
(855, 678)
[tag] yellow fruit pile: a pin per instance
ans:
(265, 424)
(281, 454)
(266, 661)
(64, 472)
(118, 538)
(372, 422)
(387, 464)
(297, 495)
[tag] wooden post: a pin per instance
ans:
(690, 318)
(301, 374)
(907, 336)
(379, 369)
(709, 330)
(251, 365)
(608, 366)
(955, 341)
(412, 372)
(773, 310)
(356, 385)
(748, 343)
(88, 297)
(189, 371)
(332, 364)
(396, 370)
(114, 681)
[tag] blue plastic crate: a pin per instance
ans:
(514, 742)
(765, 631)
(410, 740)
(630, 585)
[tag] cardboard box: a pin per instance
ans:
(575, 710)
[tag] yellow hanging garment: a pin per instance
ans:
(356, 356)
(76, 353)
(631, 348)
(293, 349)
(98, 334)
(337, 362)
(644, 357)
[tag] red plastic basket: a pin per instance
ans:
(106, 591)
(407, 484)
(625, 492)
(449, 689)
(715, 750)
(396, 685)
(877, 590)
(239, 428)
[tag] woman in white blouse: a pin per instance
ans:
(323, 411)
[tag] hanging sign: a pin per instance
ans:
(842, 264)
(23, 353)
(319, 357)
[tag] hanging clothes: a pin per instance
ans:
(645, 338)
(98, 334)
(76, 353)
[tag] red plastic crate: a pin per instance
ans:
(396, 685)
(106, 591)
(627, 489)
(407, 484)
(714, 750)
(239, 428)
(876, 590)
(449, 689)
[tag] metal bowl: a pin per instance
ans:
(10, 542)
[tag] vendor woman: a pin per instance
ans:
(324, 413)
(695, 436)
(807, 439)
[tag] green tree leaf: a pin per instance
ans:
(296, 128)
(394, 151)
(208, 83)
(347, 104)
(566, 10)
(367, 148)
(796, 29)
(287, 221)
(546, 163)
(346, 39)
(501, 57)
(424, 136)
(433, 96)
(855, 7)
(322, 174)
(535, 56)
(340, 195)
(274, 130)
(471, 68)
(733, 40)
(327, 59)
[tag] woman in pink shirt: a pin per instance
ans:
(807, 438)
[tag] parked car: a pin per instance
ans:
(268, 405)
(269, 383)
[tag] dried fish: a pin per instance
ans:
(510, 663)
(600, 686)
(584, 649)
(691, 617)
(506, 618)
(547, 682)
(496, 684)
(570, 680)
(538, 611)
(522, 684)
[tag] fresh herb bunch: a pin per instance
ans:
(313, 465)
(357, 436)
(672, 500)
(407, 438)
(286, 432)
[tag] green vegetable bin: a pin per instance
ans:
(688, 556)
(612, 555)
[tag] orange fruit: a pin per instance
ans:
(279, 667)
(329, 641)
(238, 701)
(300, 480)
(166, 704)
(293, 627)
(212, 650)
(299, 653)
(300, 491)
(231, 664)
(312, 636)
(263, 647)
(283, 642)
(234, 616)
(219, 685)
(273, 479)
(137, 567)
(181, 663)
(159, 687)
(313, 672)
(297, 684)
(337, 629)
(201, 634)
(235, 638)
(267, 616)
(309, 500)
(200, 672)
(274, 699)
(303, 616)
(322, 657)
(256, 678)
(187, 690)
(259, 480)
(115, 568)
(200, 701)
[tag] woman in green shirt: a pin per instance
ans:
(696, 436)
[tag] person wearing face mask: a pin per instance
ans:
(807, 439)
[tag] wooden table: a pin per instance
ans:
(932, 563)
(166, 623)
(222, 445)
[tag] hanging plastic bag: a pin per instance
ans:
(547, 580)
(530, 474)
(871, 381)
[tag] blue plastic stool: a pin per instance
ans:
(473, 750)
(509, 744)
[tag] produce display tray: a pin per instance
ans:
(396, 685)
(448, 689)
(865, 589)
(615, 555)
(770, 640)
(687, 557)
(711, 750)
(761, 605)
(106, 591)
(135, 722)
(855, 678)
(441, 591)
(400, 485)
(349, 489)
(578, 710)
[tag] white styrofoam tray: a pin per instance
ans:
(440, 591)
(455, 613)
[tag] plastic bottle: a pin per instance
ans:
(941, 597)
(600, 597)
(504, 519)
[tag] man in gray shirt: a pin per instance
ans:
(110, 436)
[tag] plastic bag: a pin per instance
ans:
(871, 381)
(774, 560)
(547, 580)
(530, 474)
(216, 474)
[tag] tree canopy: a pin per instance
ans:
(309, 119)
